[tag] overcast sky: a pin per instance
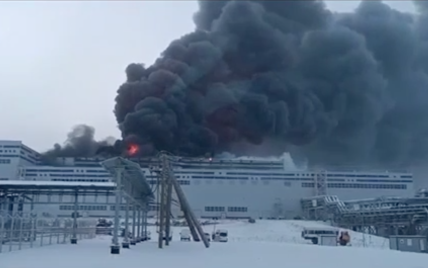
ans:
(62, 62)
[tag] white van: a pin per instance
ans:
(185, 235)
(314, 233)
(220, 235)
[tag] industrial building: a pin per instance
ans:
(233, 188)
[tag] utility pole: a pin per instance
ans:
(167, 185)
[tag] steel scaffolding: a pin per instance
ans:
(381, 216)
(167, 183)
(27, 230)
(130, 189)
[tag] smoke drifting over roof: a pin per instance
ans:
(80, 142)
(264, 77)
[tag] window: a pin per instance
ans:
(367, 186)
(214, 209)
(4, 161)
(121, 208)
(82, 207)
(237, 209)
(308, 184)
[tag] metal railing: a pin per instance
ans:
(22, 231)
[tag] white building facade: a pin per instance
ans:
(216, 188)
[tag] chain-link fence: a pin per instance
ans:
(21, 231)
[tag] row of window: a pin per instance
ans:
(181, 182)
(393, 181)
(69, 175)
(82, 207)
(82, 180)
(33, 158)
(222, 209)
(215, 209)
(67, 171)
(233, 167)
(314, 174)
(358, 185)
(121, 207)
(29, 159)
(96, 171)
(195, 172)
(237, 209)
(7, 151)
(285, 179)
(290, 179)
(261, 174)
(7, 161)
(249, 178)
(290, 176)
(4, 161)
(357, 175)
(220, 178)
(11, 146)
(89, 207)
(29, 151)
(370, 180)
(311, 184)
(49, 170)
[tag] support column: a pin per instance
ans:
(73, 239)
(162, 206)
(139, 237)
(115, 247)
(192, 221)
(33, 230)
(146, 235)
(125, 243)
(3, 213)
(11, 220)
(134, 220)
(167, 222)
(21, 221)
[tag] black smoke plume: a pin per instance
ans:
(81, 143)
(330, 88)
(264, 77)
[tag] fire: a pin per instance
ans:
(132, 149)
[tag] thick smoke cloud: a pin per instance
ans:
(264, 77)
(80, 143)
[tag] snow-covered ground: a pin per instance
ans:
(288, 231)
(263, 244)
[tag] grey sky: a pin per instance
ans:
(61, 62)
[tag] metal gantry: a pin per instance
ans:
(381, 216)
(320, 181)
(25, 230)
(22, 226)
(131, 186)
(130, 190)
(167, 183)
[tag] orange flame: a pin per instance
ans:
(132, 149)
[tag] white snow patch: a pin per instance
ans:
(263, 244)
